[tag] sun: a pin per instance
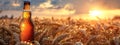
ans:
(95, 12)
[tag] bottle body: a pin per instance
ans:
(27, 30)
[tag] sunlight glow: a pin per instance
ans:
(95, 12)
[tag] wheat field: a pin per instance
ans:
(51, 31)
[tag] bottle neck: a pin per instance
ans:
(27, 15)
(26, 5)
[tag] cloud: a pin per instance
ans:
(47, 8)
(46, 4)
(15, 4)
(68, 6)
(10, 4)
(55, 12)
(107, 4)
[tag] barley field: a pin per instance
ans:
(51, 31)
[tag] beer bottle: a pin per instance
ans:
(26, 26)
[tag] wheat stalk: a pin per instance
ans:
(59, 38)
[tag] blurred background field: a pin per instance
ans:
(63, 31)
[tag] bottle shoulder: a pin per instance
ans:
(26, 21)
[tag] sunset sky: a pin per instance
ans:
(59, 7)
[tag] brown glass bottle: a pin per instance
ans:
(26, 26)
